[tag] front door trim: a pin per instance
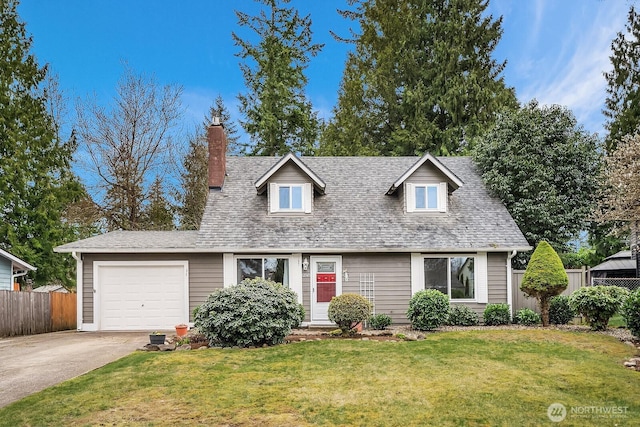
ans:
(315, 316)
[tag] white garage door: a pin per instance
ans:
(141, 295)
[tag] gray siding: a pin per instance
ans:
(496, 282)
(205, 275)
(290, 174)
(5, 274)
(392, 275)
(392, 281)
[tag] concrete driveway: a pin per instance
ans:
(33, 363)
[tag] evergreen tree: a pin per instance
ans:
(544, 278)
(194, 184)
(36, 182)
(545, 169)
(278, 116)
(158, 212)
(622, 106)
(421, 79)
(219, 109)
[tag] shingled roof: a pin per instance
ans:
(355, 214)
(135, 241)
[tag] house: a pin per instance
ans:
(385, 227)
(51, 288)
(12, 267)
(621, 265)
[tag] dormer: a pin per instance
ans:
(425, 187)
(290, 186)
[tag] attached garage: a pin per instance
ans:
(140, 295)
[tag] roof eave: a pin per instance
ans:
(318, 183)
(435, 162)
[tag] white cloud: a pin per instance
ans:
(573, 76)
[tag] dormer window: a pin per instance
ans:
(290, 198)
(426, 197)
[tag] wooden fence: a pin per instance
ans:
(577, 279)
(29, 313)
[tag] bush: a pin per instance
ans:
(461, 315)
(428, 309)
(347, 310)
(526, 317)
(631, 313)
(252, 313)
(544, 278)
(496, 314)
(560, 311)
(379, 321)
(598, 303)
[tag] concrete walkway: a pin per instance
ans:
(33, 363)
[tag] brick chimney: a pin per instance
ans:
(217, 153)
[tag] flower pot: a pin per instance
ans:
(181, 330)
(157, 339)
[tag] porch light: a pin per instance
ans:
(345, 275)
(305, 264)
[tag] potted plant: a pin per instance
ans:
(181, 329)
(156, 337)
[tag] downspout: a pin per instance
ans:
(78, 290)
(14, 276)
(510, 283)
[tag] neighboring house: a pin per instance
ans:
(12, 267)
(617, 266)
(51, 288)
(385, 227)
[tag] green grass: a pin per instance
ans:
(616, 321)
(469, 378)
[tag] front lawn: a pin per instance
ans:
(471, 378)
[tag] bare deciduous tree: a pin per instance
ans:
(125, 146)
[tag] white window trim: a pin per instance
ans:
(410, 188)
(230, 269)
(274, 197)
(480, 274)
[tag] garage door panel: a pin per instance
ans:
(141, 296)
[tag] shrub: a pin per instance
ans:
(428, 309)
(631, 313)
(461, 315)
(544, 278)
(496, 314)
(526, 317)
(379, 321)
(252, 313)
(347, 310)
(598, 303)
(560, 311)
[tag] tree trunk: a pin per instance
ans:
(544, 310)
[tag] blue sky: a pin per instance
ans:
(556, 50)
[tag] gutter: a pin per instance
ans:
(79, 289)
(510, 283)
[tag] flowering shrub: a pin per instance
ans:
(379, 321)
(526, 317)
(428, 309)
(252, 313)
(598, 303)
(461, 315)
(631, 313)
(560, 311)
(496, 314)
(347, 310)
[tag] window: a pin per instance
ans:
(453, 276)
(290, 198)
(426, 197)
(275, 269)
